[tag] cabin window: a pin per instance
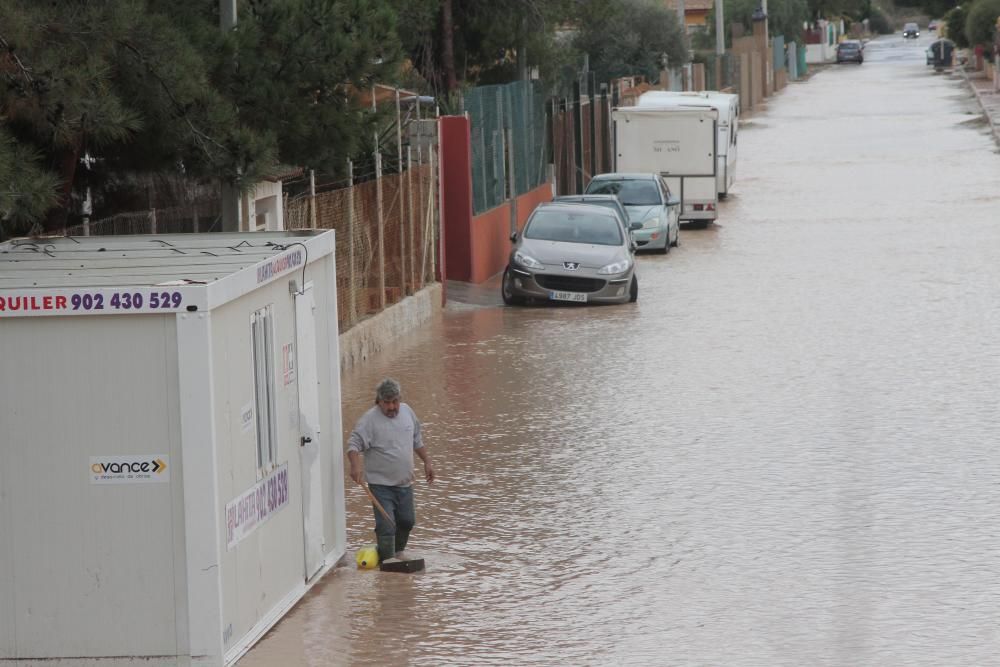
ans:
(262, 350)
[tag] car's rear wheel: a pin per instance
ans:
(633, 291)
(507, 290)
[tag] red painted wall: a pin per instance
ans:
(456, 196)
(490, 234)
(475, 248)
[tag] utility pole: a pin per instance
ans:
(231, 205)
(720, 30)
(682, 22)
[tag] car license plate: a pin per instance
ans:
(579, 297)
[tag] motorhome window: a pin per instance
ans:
(262, 352)
(630, 192)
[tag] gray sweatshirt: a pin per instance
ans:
(387, 445)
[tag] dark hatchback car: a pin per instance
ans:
(911, 31)
(850, 52)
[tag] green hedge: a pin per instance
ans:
(981, 22)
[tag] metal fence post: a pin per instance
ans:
(577, 138)
(381, 231)
(592, 96)
(421, 206)
(435, 219)
(312, 199)
(403, 196)
(409, 200)
(512, 182)
(351, 242)
(152, 221)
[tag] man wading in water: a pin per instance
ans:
(386, 436)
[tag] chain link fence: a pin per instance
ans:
(387, 232)
(204, 216)
(513, 113)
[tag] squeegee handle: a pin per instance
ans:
(376, 503)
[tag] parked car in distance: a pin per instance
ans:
(610, 202)
(648, 200)
(850, 52)
(911, 30)
(571, 252)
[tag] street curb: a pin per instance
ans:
(979, 98)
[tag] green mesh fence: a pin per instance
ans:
(778, 51)
(493, 110)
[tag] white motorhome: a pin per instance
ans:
(677, 143)
(729, 117)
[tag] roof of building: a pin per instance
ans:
(692, 5)
(141, 261)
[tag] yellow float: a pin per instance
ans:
(367, 557)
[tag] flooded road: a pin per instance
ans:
(785, 454)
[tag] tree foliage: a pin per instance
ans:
(784, 17)
(980, 24)
(629, 37)
(879, 23)
(156, 86)
(955, 24)
(937, 8)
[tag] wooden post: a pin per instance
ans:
(351, 242)
(380, 231)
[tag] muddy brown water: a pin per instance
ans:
(785, 454)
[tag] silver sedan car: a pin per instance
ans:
(571, 252)
(648, 200)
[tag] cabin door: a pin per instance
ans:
(309, 430)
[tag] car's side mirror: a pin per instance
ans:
(634, 226)
(673, 201)
(513, 237)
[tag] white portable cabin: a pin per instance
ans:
(677, 143)
(171, 473)
(728, 128)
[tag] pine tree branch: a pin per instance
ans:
(25, 72)
(203, 139)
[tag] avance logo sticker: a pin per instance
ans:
(138, 469)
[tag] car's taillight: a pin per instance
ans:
(699, 207)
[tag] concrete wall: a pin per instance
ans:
(490, 234)
(371, 336)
